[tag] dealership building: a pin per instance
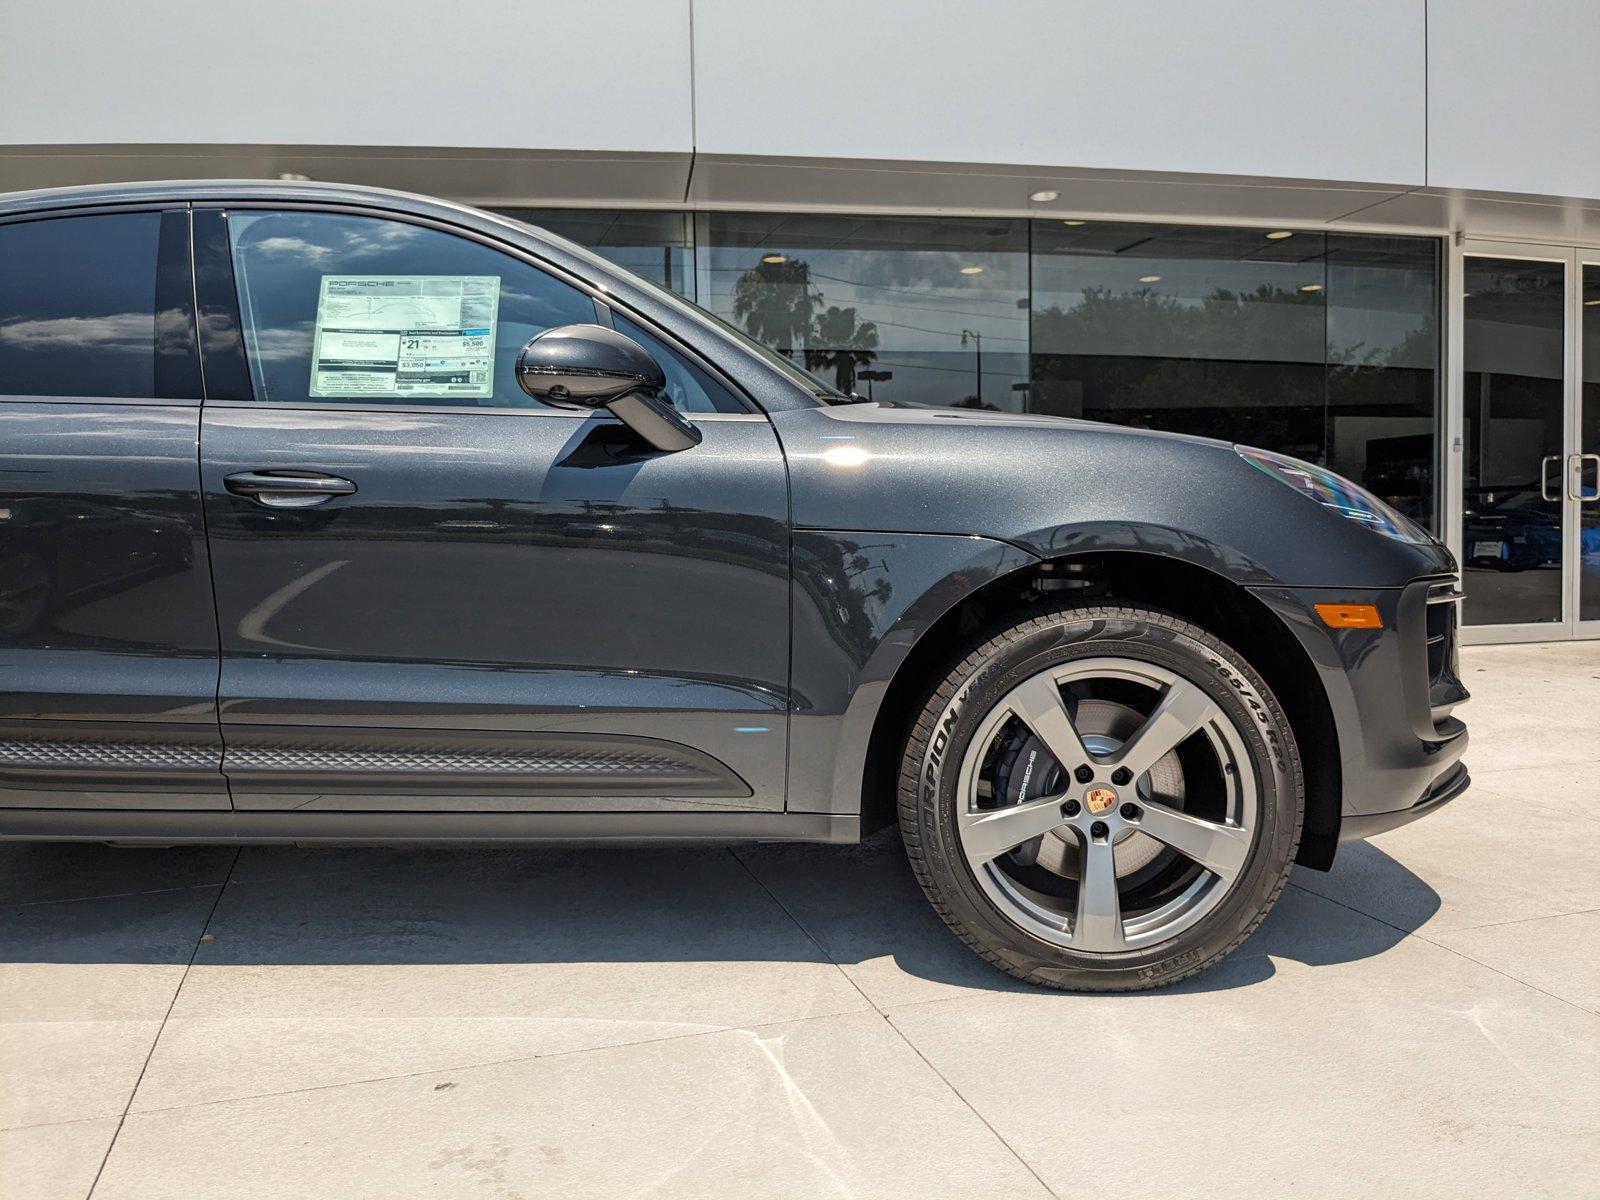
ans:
(1362, 232)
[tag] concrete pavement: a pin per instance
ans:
(794, 1021)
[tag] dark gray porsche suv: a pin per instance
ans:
(337, 515)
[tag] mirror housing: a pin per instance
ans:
(591, 366)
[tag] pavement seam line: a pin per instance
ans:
(1411, 933)
(810, 937)
(900, 1033)
(1577, 912)
(970, 994)
(56, 1124)
(1588, 1012)
(185, 887)
(498, 1062)
(156, 1041)
(995, 1133)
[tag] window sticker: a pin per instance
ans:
(414, 337)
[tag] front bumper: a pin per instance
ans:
(1392, 693)
(1356, 826)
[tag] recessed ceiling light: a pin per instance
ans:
(1586, 303)
(1044, 197)
(1149, 279)
(1277, 235)
(1074, 223)
(1310, 287)
(972, 270)
(773, 259)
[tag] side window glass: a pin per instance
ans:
(342, 309)
(78, 306)
(690, 388)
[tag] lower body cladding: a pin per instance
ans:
(355, 769)
(107, 766)
(76, 781)
(1391, 692)
(62, 764)
(157, 828)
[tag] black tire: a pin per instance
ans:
(970, 688)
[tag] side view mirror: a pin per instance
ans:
(590, 366)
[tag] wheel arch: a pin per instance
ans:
(1182, 588)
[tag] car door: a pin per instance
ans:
(435, 592)
(108, 640)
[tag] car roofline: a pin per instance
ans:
(260, 191)
(203, 190)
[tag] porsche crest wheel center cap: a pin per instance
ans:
(1098, 799)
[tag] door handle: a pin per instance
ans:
(1544, 478)
(286, 489)
(1575, 487)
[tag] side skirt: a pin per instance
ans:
(167, 828)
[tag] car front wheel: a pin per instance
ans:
(1101, 797)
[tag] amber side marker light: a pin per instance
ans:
(1350, 616)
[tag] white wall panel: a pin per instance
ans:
(865, 103)
(1514, 90)
(552, 74)
(1313, 89)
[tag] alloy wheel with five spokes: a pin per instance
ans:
(1102, 797)
(1109, 801)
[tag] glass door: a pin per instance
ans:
(1529, 498)
(1513, 417)
(1584, 469)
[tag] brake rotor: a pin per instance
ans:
(1030, 771)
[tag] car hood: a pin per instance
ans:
(932, 417)
(1057, 485)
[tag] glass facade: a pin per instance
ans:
(914, 309)
(1323, 346)
(1588, 472)
(657, 245)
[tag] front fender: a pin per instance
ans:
(1055, 487)
(860, 602)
